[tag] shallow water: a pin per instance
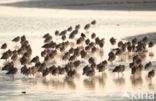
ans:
(35, 22)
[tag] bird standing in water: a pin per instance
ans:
(151, 74)
(119, 69)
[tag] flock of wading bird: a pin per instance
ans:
(76, 51)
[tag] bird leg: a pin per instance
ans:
(58, 77)
(7, 60)
(16, 46)
(150, 81)
(101, 74)
(130, 55)
(111, 63)
(87, 32)
(118, 75)
(122, 74)
(90, 78)
(133, 76)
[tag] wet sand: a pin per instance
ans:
(34, 22)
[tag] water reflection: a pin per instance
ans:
(151, 54)
(45, 81)
(57, 84)
(119, 81)
(151, 86)
(89, 83)
(54, 83)
(70, 83)
(101, 80)
(136, 81)
(29, 81)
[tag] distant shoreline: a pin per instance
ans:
(151, 36)
(139, 5)
(81, 1)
